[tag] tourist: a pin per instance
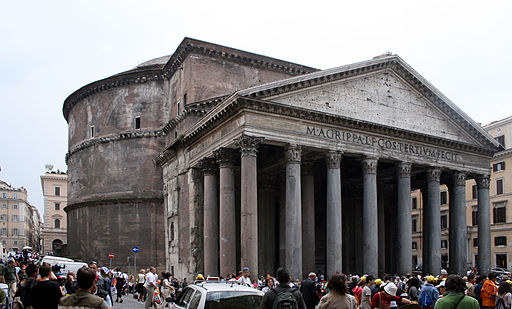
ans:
(337, 297)
(151, 285)
(454, 297)
(141, 290)
(489, 291)
(503, 295)
(104, 286)
(384, 298)
(46, 293)
(428, 294)
(284, 279)
(83, 297)
(25, 289)
(269, 284)
(366, 293)
(244, 279)
(166, 287)
(413, 287)
(470, 287)
(309, 290)
(11, 277)
(120, 283)
(70, 284)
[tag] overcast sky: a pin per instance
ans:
(49, 49)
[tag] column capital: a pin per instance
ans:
(293, 153)
(369, 165)
(226, 157)
(248, 144)
(459, 178)
(334, 159)
(433, 174)
(208, 166)
(404, 169)
(483, 181)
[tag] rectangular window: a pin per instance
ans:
(15, 206)
(57, 206)
(499, 186)
(498, 167)
(414, 203)
(3, 231)
(15, 196)
(501, 260)
(15, 232)
(185, 99)
(499, 213)
(414, 245)
(57, 191)
(3, 217)
(4, 195)
(15, 218)
(501, 140)
(444, 198)
(500, 240)
(178, 107)
(414, 260)
(475, 192)
(474, 217)
(92, 131)
(4, 206)
(137, 123)
(444, 221)
(475, 242)
(415, 225)
(444, 244)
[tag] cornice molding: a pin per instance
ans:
(121, 79)
(112, 138)
(107, 202)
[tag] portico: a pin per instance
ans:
(315, 172)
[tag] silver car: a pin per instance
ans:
(218, 295)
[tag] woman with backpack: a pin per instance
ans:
(337, 297)
(503, 298)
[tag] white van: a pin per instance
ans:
(67, 267)
(52, 260)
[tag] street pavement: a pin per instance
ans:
(128, 303)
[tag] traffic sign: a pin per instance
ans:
(111, 256)
(135, 249)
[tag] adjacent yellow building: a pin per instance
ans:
(54, 232)
(17, 226)
(500, 200)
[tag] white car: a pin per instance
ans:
(207, 295)
(501, 271)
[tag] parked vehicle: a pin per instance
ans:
(501, 271)
(207, 295)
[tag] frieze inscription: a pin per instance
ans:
(382, 143)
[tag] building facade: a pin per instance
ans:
(54, 185)
(17, 228)
(214, 159)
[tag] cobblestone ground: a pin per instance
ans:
(130, 303)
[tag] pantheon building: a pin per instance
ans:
(213, 159)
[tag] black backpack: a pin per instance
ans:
(285, 300)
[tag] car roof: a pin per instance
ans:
(221, 286)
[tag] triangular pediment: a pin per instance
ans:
(386, 92)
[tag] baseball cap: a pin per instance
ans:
(246, 269)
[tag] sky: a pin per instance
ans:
(49, 49)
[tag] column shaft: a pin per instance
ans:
(249, 204)
(333, 221)
(227, 218)
(459, 238)
(484, 225)
(211, 223)
(293, 216)
(308, 220)
(432, 224)
(370, 217)
(404, 220)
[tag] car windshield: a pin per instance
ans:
(232, 300)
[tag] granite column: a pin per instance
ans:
(404, 219)
(227, 221)
(458, 258)
(484, 225)
(308, 219)
(249, 203)
(293, 215)
(432, 224)
(211, 213)
(333, 222)
(370, 217)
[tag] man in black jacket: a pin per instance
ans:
(283, 277)
(309, 290)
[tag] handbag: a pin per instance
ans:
(156, 297)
